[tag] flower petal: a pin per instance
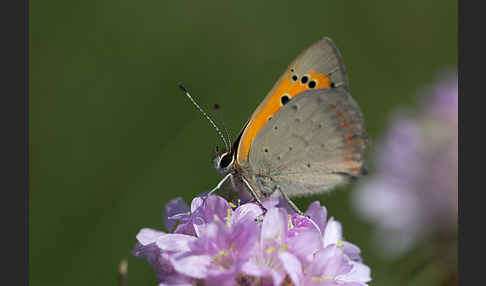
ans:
(209, 208)
(175, 242)
(351, 250)
(244, 238)
(275, 225)
(192, 265)
(333, 232)
(177, 284)
(175, 210)
(304, 238)
(196, 203)
(147, 235)
(252, 269)
(186, 228)
(330, 261)
(277, 276)
(359, 273)
(271, 202)
(246, 212)
(292, 266)
(318, 214)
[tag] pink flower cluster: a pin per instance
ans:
(218, 243)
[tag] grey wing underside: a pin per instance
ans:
(316, 141)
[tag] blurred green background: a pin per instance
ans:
(113, 139)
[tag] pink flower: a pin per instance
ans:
(219, 243)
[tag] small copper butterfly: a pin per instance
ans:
(306, 136)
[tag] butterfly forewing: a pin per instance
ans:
(319, 66)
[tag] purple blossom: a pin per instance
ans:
(413, 193)
(220, 243)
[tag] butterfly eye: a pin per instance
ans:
(226, 160)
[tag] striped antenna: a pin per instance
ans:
(226, 144)
(220, 115)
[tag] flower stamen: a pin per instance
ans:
(284, 247)
(228, 218)
(270, 250)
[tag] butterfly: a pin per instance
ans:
(306, 136)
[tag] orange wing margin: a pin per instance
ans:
(272, 103)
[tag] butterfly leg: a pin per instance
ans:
(219, 184)
(291, 203)
(255, 196)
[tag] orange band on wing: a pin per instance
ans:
(272, 103)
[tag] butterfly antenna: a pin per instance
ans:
(220, 115)
(226, 144)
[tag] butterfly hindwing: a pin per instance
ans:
(312, 144)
